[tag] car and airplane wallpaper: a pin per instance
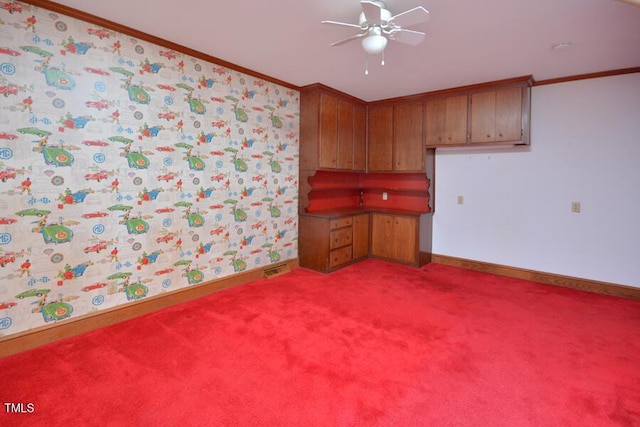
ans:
(129, 170)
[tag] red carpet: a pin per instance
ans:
(375, 344)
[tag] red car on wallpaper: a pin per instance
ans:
(94, 215)
(100, 105)
(6, 258)
(6, 305)
(9, 89)
(9, 136)
(7, 221)
(94, 286)
(96, 71)
(95, 143)
(8, 51)
(164, 210)
(98, 176)
(166, 177)
(166, 87)
(7, 174)
(164, 271)
(167, 116)
(100, 246)
(100, 32)
(165, 149)
(11, 6)
(166, 238)
(168, 54)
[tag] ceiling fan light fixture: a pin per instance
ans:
(374, 44)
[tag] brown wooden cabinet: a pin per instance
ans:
(328, 132)
(332, 130)
(360, 236)
(380, 138)
(396, 138)
(446, 121)
(496, 116)
(394, 237)
(408, 137)
(494, 113)
(329, 243)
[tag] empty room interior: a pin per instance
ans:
(337, 213)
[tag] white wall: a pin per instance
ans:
(585, 146)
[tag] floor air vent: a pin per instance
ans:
(276, 270)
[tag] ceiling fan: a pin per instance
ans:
(377, 25)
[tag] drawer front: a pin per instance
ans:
(339, 256)
(341, 222)
(341, 237)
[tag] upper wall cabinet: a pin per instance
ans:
(497, 116)
(446, 121)
(494, 113)
(332, 130)
(396, 137)
(380, 138)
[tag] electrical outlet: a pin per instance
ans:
(384, 195)
(575, 207)
(460, 200)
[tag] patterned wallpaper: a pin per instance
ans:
(128, 170)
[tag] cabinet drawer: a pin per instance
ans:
(341, 222)
(341, 237)
(339, 256)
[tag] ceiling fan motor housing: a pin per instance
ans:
(385, 16)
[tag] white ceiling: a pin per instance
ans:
(468, 41)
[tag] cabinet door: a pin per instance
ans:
(435, 113)
(328, 132)
(408, 143)
(359, 138)
(313, 248)
(360, 236)
(496, 116)
(380, 139)
(483, 116)
(509, 114)
(405, 237)
(456, 123)
(381, 235)
(345, 136)
(446, 121)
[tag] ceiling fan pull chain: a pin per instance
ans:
(382, 63)
(366, 64)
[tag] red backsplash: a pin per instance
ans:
(331, 190)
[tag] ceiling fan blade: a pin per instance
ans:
(348, 39)
(343, 24)
(372, 11)
(415, 16)
(413, 38)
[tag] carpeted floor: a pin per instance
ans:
(374, 344)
